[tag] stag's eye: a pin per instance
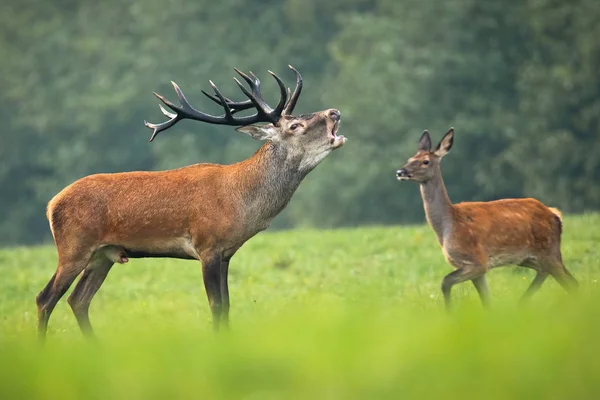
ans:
(425, 162)
(294, 126)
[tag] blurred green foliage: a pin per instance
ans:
(517, 79)
(324, 314)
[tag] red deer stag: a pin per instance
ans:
(202, 212)
(478, 236)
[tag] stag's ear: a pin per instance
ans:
(425, 142)
(445, 144)
(259, 132)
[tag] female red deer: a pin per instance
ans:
(203, 212)
(478, 236)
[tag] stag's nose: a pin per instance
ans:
(401, 172)
(335, 115)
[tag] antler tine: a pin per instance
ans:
(157, 128)
(173, 117)
(166, 112)
(289, 108)
(165, 101)
(253, 99)
(246, 77)
(262, 107)
(180, 96)
(282, 93)
(235, 106)
(228, 114)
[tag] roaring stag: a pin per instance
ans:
(202, 212)
(478, 236)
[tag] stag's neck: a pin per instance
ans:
(438, 208)
(270, 177)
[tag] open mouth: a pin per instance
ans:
(335, 140)
(333, 133)
(403, 175)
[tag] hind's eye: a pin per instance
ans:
(425, 162)
(294, 127)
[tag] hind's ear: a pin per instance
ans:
(425, 142)
(445, 144)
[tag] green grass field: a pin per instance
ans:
(341, 314)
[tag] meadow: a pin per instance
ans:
(336, 314)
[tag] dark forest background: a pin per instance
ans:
(518, 79)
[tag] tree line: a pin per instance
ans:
(518, 80)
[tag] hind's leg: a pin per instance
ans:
(564, 277)
(480, 284)
(535, 285)
(86, 288)
(458, 276)
(59, 284)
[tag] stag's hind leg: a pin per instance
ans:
(86, 288)
(58, 285)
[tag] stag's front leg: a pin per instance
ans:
(211, 273)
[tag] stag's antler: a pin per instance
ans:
(264, 113)
(237, 106)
